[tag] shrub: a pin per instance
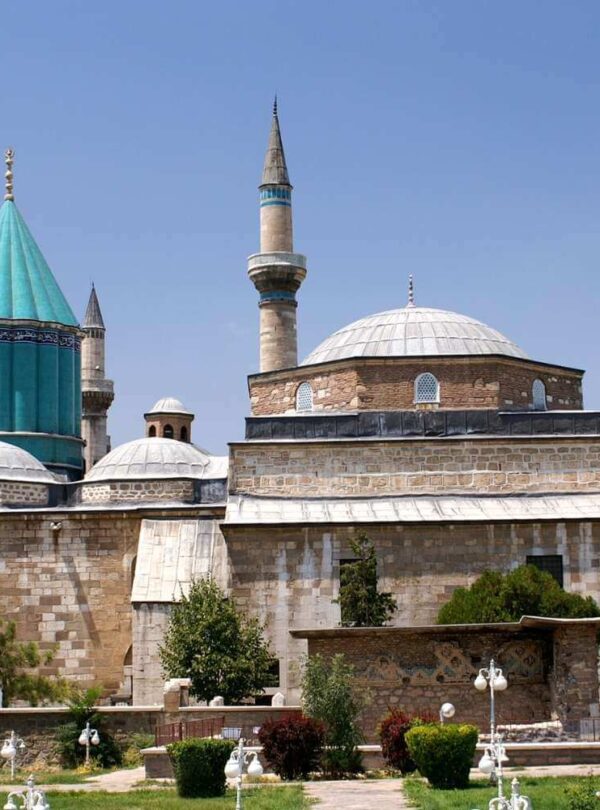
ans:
(292, 746)
(132, 756)
(81, 711)
(582, 796)
(199, 766)
(392, 735)
(331, 697)
(443, 753)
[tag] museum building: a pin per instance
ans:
(432, 432)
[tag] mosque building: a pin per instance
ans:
(432, 432)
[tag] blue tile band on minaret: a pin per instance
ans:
(40, 350)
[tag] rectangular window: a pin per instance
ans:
(552, 563)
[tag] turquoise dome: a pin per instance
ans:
(40, 353)
(28, 290)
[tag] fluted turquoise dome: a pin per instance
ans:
(28, 290)
(40, 353)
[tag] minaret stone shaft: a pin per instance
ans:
(277, 272)
(97, 391)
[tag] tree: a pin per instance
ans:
(210, 642)
(82, 710)
(526, 591)
(330, 696)
(17, 680)
(361, 604)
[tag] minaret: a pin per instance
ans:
(97, 391)
(276, 272)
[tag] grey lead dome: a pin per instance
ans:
(157, 458)
(413, 332)
(19, 465)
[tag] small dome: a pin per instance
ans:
(169, 405)
(19, 465)
(413, 332)
(157, 458)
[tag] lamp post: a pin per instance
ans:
(495, 754)
(31, 798)
(447, 711)
(234, 769)
(88, 737)
(10, 748)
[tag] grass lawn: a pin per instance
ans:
(547, 793)
(63, 777)
(264, 798)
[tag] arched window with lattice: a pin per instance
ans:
(304, 397)
(427, 388)
(538, 391)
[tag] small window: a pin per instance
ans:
(427, 388)
(539, 395)
(152, 431)
(304, 397)
(168, 432)
(183, 434)
(552, 563)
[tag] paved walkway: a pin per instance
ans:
(358, 794)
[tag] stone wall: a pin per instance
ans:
(419, 671)
(405, 466)
(288, 576)
(72, 588)
(575, 677)
(388, 384)
(20, 493)
(147, 490)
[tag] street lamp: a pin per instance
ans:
(447, 711)
(88, 737)
(10, 748)
(30, 799)
(495, 753)
(234, 769)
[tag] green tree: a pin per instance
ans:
(19, 679)
(330, 696)
(82, 710)
(526, 591)
(361, 603)
(210, 642)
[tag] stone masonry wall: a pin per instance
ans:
(19, 493)
(575, 677)
(147, 490)
(288, 576)
(401, 467)
(418, 672)
(474, 382)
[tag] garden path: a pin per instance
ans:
(356, 794)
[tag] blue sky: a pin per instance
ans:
(458, 141)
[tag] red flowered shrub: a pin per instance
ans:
(392, 731)
(292, 746)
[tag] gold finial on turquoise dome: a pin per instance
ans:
(9, 156)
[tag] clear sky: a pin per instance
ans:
(457, 140)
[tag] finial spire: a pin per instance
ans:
(411, 292)
(275, 106)
(275, 169)
(9, 156)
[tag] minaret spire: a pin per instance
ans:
(9, 157)
(411, 292)
(277, 272)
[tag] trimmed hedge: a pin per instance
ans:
(443, 753)
(199, 766)
(292, 746)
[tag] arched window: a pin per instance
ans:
(427, 388)
(538, 390)
(183, 435)
(168, 432)
(304, 397)
(152, 430)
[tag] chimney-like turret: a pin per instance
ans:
(277, 272)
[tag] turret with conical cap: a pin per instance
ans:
(277, 272)
(97, 391)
